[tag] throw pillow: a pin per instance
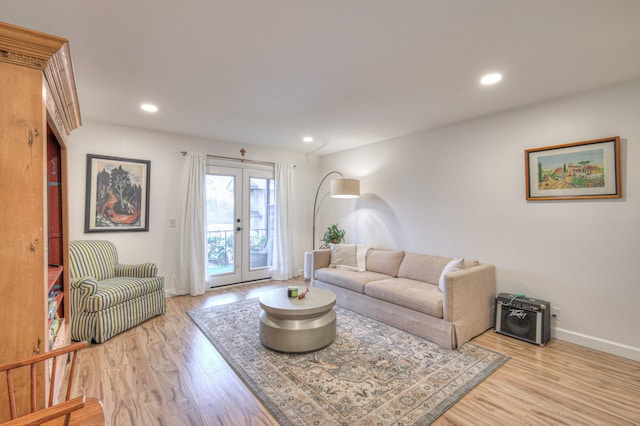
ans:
(455, 265)
(361, 257)
(343, 254)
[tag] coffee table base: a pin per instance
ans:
(298, 334)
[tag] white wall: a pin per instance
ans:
(459, 190)
(163, 150)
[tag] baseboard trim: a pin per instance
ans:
(596, 343)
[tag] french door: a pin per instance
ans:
(239, 224)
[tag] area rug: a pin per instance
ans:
(371, 374)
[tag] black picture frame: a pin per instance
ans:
(117, 194)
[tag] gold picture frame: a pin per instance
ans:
(574, 171)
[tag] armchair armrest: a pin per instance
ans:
(63, 409)
(468, 300)
(141, 270)
(87, 285)
(81, 289)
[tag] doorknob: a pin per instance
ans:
(239, 228)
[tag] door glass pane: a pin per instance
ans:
(261, 219)
(221, 216)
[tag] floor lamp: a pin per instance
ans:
(340, 188)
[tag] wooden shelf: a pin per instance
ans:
(58, 299)
(54, 275)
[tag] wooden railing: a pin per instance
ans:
(220, 244)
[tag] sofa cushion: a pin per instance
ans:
(350, 280)
(422, 267)
(412, 294)
(384, 261)
(121, 289)
(343, 255)
(470, 263)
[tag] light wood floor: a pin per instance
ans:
(165, 372)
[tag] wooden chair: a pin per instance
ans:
(80, 410)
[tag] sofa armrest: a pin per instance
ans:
(141, 270)
(468, 301)
(321, 259)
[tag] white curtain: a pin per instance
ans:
(282, 267)
(190, 275)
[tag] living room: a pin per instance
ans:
(486, 216)
(456, 188)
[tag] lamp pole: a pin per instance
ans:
(315, 202)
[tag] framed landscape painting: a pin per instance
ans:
(580, 170)
(117, 196)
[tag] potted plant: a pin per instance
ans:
(333, 235)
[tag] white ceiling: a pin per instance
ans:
(348, 72)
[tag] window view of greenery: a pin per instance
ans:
(261, 208)
(221, 222)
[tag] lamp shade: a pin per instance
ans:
(345, 188)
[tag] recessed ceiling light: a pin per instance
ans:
(307, 139)
(149, 107)
(491, 79)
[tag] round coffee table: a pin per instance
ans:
(294, 325)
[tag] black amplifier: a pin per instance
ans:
(523, 318)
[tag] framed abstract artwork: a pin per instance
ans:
(117, 197)
(572, 171)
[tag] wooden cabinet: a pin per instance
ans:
(38, 111)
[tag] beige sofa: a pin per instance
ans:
(402, 289)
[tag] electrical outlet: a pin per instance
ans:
(555, 313)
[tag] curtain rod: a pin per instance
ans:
(242, 160)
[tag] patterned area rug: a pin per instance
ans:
(371, 374)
